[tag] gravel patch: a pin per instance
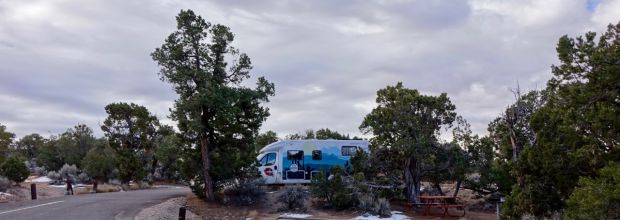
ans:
(168, 210)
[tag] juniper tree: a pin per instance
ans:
(408, 123)
(131, 130)
(218, 116)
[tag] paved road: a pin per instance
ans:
(116, 205)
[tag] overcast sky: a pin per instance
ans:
(62, 61)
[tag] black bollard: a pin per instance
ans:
(182, 213)
(33, 191)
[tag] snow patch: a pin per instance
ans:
(294, 215)
(42, 179)
(396, 215)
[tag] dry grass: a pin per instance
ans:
(103, 188)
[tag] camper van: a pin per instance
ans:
(297, 161)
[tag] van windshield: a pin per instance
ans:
(268, 160)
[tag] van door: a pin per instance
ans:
(268, 168)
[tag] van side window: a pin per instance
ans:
(348, 150)
(295, 155)
(317, 155)
(270, 159)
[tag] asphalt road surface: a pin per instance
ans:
(116, 205)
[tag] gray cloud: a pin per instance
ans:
(61, 62)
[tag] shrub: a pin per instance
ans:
(246, 191)
(84, 178)
(115, 182)
(343, 199)
(39, 171)
(337, 190)
(321, 188)
(5, 184)
(15, 170)
(293, 198)
(382, 208)
(68, 171)
(55, 177)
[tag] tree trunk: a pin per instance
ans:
(438, 187)
(412, 180)
(206, 166)
(513, 142)
(458, 187)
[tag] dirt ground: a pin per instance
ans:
(267, 209)
(22, 192)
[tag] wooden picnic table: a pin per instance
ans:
(443, 202)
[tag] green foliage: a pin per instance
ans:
(14, 169)
(360, 163)
(67, 148)
(576, 131)
(6, 140)
(408, 122)
(321, 134)
(27, 146)
(214, 111)
(596, 198)
(320, 187)
(265, 139)
(334, 190)
(131, 131)
(167, 154)
(100, 163)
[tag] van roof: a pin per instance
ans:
(279, 144)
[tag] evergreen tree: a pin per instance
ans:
(408, 123)
(577, 128)
(28, 145)
(218, 118)
(6, 141)
(265, 139)
(131, 131)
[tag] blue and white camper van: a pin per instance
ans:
(297, 161)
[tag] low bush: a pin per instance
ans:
(246, 191)
(68, 171)
(336, 191)
(293, 198)
(341, 191)
(84, 178)
(15, 169)
(375, 206)
(39, 171)
(55, 177)
(115, 182)
(5, 184)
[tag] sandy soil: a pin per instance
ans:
(168, 210)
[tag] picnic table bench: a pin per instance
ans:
(442, 202)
